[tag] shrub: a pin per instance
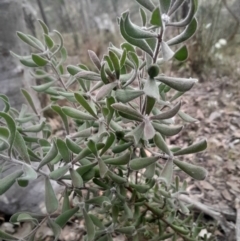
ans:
(116, 161)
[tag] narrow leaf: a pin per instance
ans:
(194, 148)
(59, 172)
(105, 90)
(89, 226)
(167, 172)
(58, 110)
(52, 153)
(8, 181)
(167, 114)
(126, 95)
(51, 201)
(29, 100)
(115, 62)
(161, 144)
(196, 172)
(147, 4)
(63, 150)
(180, 84)
(76, 114)
(120, 160)
(62, 219)
(167, 130)
(186, 117)
(77, 180)
(95, 59)
(140, 163)
(38, 60)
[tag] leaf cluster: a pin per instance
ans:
(116, 162)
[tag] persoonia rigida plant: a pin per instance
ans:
(115, 162)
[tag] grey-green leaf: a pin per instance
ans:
(8, 181)
(38, 60)
(77, 180)
(194, 148)
(167, 114)
(167, 130)
(196, 172)
(180, 84)
(161, 144)
(156, 18)
(63, 150)
(29, 100)
(59, 172)
(127, 95)
(51, 201)
(140, 163)
(89, 226)
(167, 53)
(167, 172)
(147, 4)
(52, 153)
(186, 34)
(135, 31)
(76, 114)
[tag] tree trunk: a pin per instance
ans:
(13, 75)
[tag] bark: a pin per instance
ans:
(13, 75)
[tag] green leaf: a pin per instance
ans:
(167, 172)
(61, 42)
(135, 31)
(43, 87)
(73, 147)
(147, 4)
(29, 100)
(181, 54)
(89, 226)
(165, 5)
(134, 59)
(30, 174)
(140, 163)
(156, 18)
(150, 171)
(180, 84)
(88, 75)
(167, 53)
(186, 34)
(167, 130)
(161, 144)
(48, 41)
(119, 160)
(83, 133)
(77, 180)
(121, 148)
(116, 178)
(167, 114)
(105, 90)
(126, 230)
(196, 172)
(44, 26)
(25, 217)
(28, 40)
(194, 148)
(186, 117)
(34, 128)
(103, 169)
(62, 219)
(5, 100)
(149, 131)
(92, 147)
(59, 172)
(143, 16)
(73, 70)
(127, 95)
(58, 110)
(137, 133)
(110, 140)
(12, 130)
(38, 60)
(20, 146)
(127, 110)
(104, 78)
(4, 135)
(51, 201)
(192, 10)
(141, 43)
(6, 236)
(98, 201)
(55, 228)
(63, 150)
(82, 101)
(76, 114)
(151, 88)
(115, 62)
(95, 59)
(66, 201)
(52, 153)
(8, 181)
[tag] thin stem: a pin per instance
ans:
(158, 46)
